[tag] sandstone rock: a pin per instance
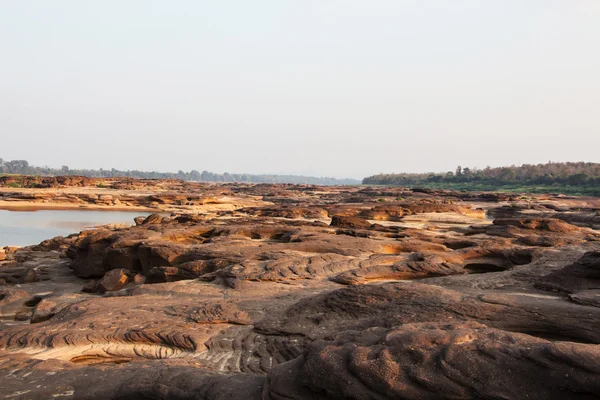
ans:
(223, 312)
(49, 307)
(383, 213)
(546, 241)
(113, 280)
(22, 315)
(152, 219)
(349, 222)
(139, 279)
(90, 287)
(163, 380)
(45, 310)
(545, 224)
(417, 268)
(391, 304)
(51, 244)
(587, 298)
(167, 274)
(30, 276)
(10, 295)
(457, 244)
(242, 291)
(11, 249)
(584, 274)
(445, 361)
(159, 254)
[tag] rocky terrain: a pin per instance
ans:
(127, 194)
(302, 292)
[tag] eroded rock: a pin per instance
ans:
(248, 291)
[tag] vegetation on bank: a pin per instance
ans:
(574, 178)
(22, 167)
(479, 187)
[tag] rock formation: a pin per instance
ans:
(303, 292)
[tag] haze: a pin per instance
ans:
(342, 88)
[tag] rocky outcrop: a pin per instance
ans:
(433, 360)
(113, 280)
(349, 222)
(582, 275)
(391, 304)
(304, 292)
(543, 224)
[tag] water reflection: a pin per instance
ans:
(22, 228)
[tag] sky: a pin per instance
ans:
(343, 88)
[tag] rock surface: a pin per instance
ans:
(303, 292)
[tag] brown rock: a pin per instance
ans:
(152, 219)
(586, 298)
(222, 312)
(584, 274)
(90, 287)
(257, 297)
(30, 276)
(114, 280)
(544, 224)
(46, 309)
(416, 267)
(159, 254)
(139, 279)
(420, 361)
(11, 249)
(350, 222)
(11, 294)
(22, 315)
(167, 274)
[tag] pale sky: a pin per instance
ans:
(343, 88)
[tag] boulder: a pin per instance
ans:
(152, 219)
(49, 307)
(114, 280)
(341, 221)
(159, 254)
(30, 276)
(139, 279)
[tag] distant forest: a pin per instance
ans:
(22, 167)
(569, 177)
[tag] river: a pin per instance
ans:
(23, 228)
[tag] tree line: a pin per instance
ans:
(552, 173)
(22, 167)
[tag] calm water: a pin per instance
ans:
(23, 228)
